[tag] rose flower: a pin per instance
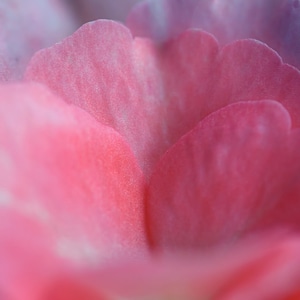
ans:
(132, 169)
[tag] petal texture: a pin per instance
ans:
(153, 95)
(67, 184)
(122, 83)
(222, 177)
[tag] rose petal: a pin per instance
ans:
(122, 83)
(27, 27)
(248, 70)
(72, 289)
(71, 181)
(286, 210)
(220, 177)
(28, 262)
(256, 269)
(152, 96)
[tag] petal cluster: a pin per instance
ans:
(182, 154)
(233, 129)
(153, 95)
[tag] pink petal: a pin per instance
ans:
(151, 95)
(273, 22)
(221, 177)
(253, 270)
(285, 211)
(72, 289)
(121, 82)
(27, 260)
(67, 184)
(27, 27)
(248, 70)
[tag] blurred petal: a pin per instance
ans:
(27, 26)
(260, 269)
(285, 211)
(67, 184)
(74, 290)
(153, 95)
(221, 177)
(275, 22)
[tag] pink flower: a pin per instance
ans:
(180, 158)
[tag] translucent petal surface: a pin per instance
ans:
(153, 95)
(253, 270)
(222, 177)
(69, 188)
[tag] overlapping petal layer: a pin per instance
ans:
(254, 270)
(224, 176)
(275, 22)
(70, 190)
(153, 95)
